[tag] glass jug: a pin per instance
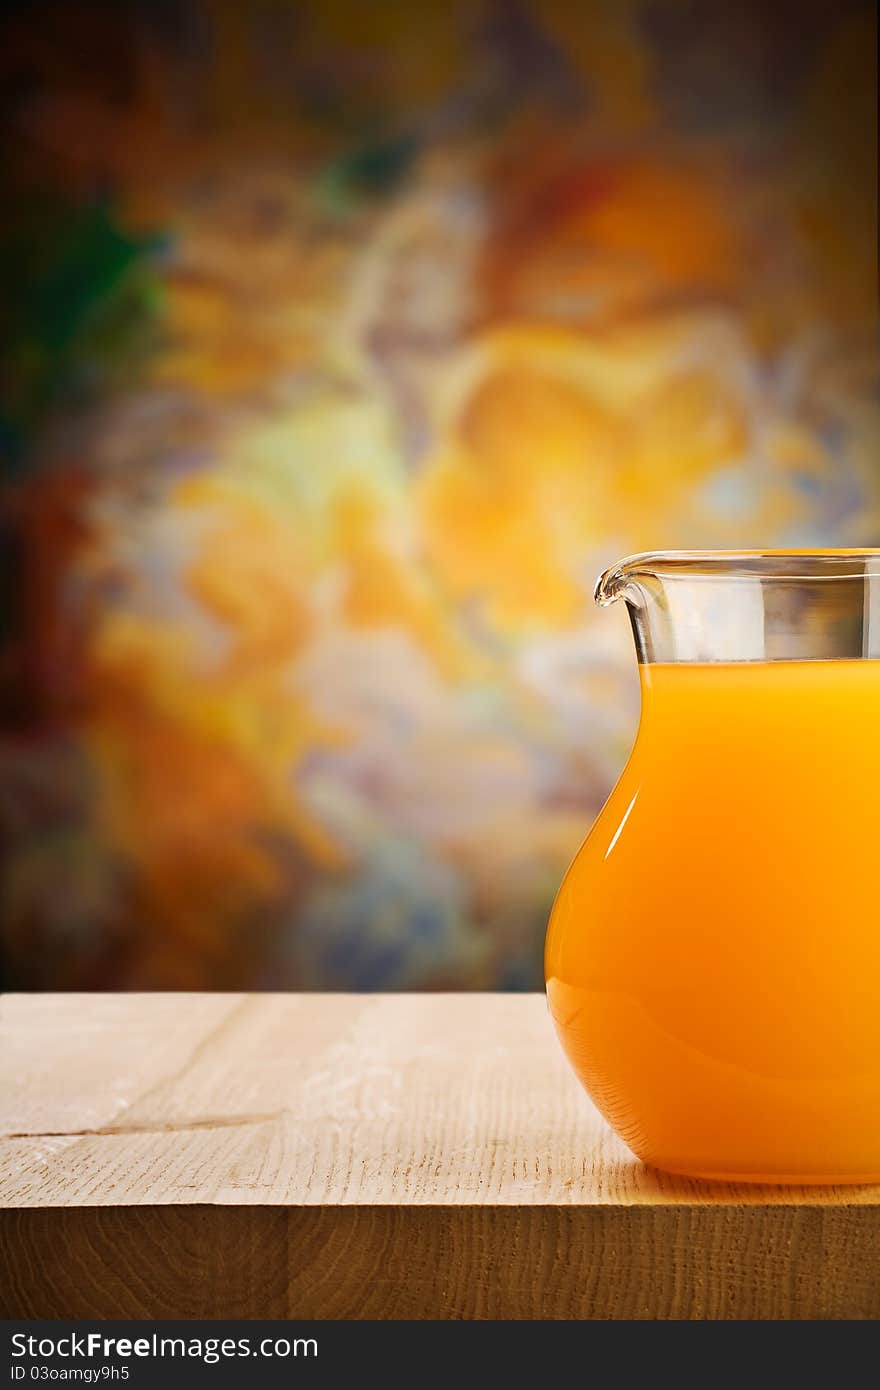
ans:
(713, 954)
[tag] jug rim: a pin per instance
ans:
(791, 565)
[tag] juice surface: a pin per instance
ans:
(713, 957)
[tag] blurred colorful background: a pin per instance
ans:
(346, 343)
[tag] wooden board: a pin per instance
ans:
(368, 1156)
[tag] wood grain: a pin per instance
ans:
(368, 1156)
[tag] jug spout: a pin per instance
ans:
(749, 605)
(618, 581)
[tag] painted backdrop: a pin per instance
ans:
(348, 342)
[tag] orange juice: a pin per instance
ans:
(713, 957)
